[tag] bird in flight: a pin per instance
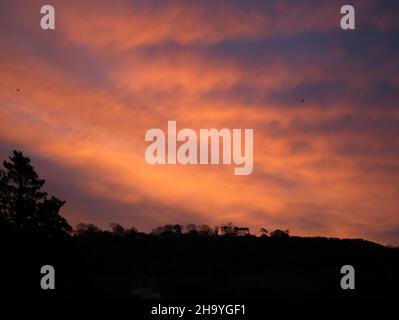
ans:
(302, 100)
(18, 89)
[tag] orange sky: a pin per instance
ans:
(91, 88)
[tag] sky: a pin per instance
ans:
(111, 70)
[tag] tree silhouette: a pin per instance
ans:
(86, 229)
(117, 229)
(120, 232)
(191, 229)
(168, 231)
(205, 230)
(23, 205)
(132, 232)
(178, 229)
(280, 234)
(264, 232)
(228, 229)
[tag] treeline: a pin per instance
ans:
(175, 231)
(25, 208)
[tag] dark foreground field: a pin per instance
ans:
(147, 267)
